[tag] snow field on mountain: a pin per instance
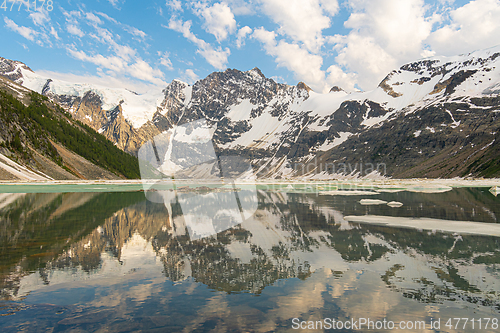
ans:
(138, 109)
(240, 111)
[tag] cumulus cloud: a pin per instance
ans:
(337, 77)
(241, 7)
(143, 71)
(305, 66)
(242, 34)
(215, 57)
(26, 32)
(476, 25)
(189, 76)
(331, 7)
(302, 20)
(218, 19)
(384, 35)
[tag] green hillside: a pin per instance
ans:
(33, 126)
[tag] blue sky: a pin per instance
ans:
(145, 45)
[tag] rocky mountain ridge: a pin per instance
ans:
(436, 117)
(41, 141)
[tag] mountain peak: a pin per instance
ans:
(11, 69)
(336, 89)
(258, 71)
(302, 85)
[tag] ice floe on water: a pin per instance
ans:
(448, 226)
(372, 202)
(350, 192)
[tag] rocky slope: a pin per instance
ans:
(41, 141)
(436, 117)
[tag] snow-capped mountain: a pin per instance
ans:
(437, 117)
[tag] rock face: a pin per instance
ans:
(432, 118)
(40, 141)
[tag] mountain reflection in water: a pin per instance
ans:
(115, 261)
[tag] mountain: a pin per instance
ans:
(437, 117)
(41, 141)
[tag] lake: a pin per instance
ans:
(298, 257)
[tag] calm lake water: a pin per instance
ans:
(116, 262)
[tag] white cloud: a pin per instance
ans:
(117, 65)
(107, 38)
(26, 32)
(331, 7)
(399, 27)
(362, 55)
(93, 18)
(242, 34)
(114, 3)
(305, 66)
(136, 32)
(384, 35)
(71, 15)
(53, 32)
(143, 71)
(174, 5)
(107, 17)
(189, 76)
(302, 20)
(215, 57)
(141, 35)
(219, 20)
(165, 61)
(72, 25)
(114, 63)
(40, 17)
(476, 25)
(74, 30)
(241, 7)
(337, 77)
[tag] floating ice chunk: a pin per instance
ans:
(460, 227)
(367, 202)
(340, 192)
(395, 204)
(430, 188)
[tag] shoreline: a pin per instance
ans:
(454, 182)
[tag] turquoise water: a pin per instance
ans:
(113, 261)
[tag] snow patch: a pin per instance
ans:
(336, 142)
